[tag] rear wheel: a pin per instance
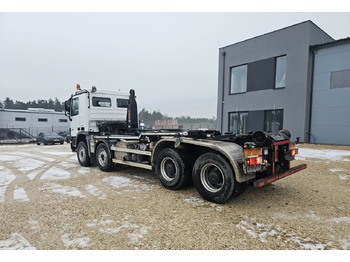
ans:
(83, 154)
(214, 178)
(173, 172)
(103, 158)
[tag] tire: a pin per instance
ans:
(172, 171)
(214, 178)
(103, 158)
(83, 154)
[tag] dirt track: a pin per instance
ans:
(48, 201)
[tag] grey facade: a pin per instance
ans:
(34, 121)
(330, 118)
(263, 104)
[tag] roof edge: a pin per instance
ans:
(330, 43)
(307, 21)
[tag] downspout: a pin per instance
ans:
(223, 91)
(308, 133)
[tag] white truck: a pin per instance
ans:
(104, 130)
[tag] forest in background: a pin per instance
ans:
(146, 117)
(8, 103)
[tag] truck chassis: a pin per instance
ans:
(218, 165)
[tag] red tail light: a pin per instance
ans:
(253, 161)
(295, 151)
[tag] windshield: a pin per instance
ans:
(50, 134)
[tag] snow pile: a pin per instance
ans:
(325, 154)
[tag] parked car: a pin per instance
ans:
(49, 138)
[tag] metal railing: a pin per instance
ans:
(15, 136)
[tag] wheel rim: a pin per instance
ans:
(102, 157)
(82, 154)
(212, 178)
(168, 168)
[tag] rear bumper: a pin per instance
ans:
(267, 180)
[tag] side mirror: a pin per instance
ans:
(67, 108)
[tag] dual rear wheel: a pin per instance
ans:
(212, 175)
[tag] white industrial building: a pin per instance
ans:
(32, 121)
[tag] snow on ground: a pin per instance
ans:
(64, 190)
(74, 242)
(19, 194)
(55, 173)
(16, 242)
(9, 158)
(118, 182)
(342, 173)
(34, 173)
(134, 232)
(28, 164)
(58, 153)
(263, 232)
(311, 215)
(34, 155)
(32, 164)
(324, 154)
(6, 178)
(127, 184)
(95, 191)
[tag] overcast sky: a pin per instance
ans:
(170, 59)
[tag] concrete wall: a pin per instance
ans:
(294, 42)
(330, 119)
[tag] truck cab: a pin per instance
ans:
(91, 110)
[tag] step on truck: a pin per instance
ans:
(104, 131)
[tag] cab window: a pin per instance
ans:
(122, 103)
(101, 102)
(75, 106)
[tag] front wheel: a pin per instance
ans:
(83, 154)
(103, 157)
(214, 178)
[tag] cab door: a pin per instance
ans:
(74, 116)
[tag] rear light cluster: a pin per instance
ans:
(295, 151)
(253, 161)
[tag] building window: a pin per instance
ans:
(340, 79)
(239, 79)
(273, 120)
(280, 79)
(75, 106)
(21, 119)
(42, 119)
(62, 120)
(238, 122)
(101, 102)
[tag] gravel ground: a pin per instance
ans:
(48, 201)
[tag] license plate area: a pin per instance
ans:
(253, 169)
